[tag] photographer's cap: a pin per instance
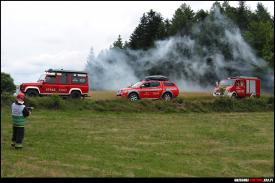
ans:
(20, 98)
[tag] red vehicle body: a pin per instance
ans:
(151, 87)
(62, 82)
(239, 86)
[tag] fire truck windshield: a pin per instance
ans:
(42, 77)
(227, 82)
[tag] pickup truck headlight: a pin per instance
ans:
(124, 91)
(121, 91)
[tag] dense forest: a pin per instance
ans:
(195, 49)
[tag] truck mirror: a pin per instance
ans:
(217, 83)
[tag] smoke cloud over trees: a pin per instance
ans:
(194, 49)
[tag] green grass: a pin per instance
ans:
(89, 143)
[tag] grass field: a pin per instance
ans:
(85, 143)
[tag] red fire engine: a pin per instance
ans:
(62, 82)
(239, 86)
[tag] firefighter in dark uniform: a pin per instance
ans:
(19, 113)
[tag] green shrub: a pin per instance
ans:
(224, 104)
(7, 98)
(48, 102)
(178, 100)
(7, 84)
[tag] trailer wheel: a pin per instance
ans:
(32, 93)
(133, 97)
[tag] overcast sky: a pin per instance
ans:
(39, 35)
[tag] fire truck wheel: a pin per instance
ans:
(234, 95)
(32, 93)
(133, 97)
(75, 95)
(167, 96)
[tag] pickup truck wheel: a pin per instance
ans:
(133, 97)
(167, 96)
(75, 95)
(32, 93)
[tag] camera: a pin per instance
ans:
(30, 108)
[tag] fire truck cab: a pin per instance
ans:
(238, 87)
(74, 84)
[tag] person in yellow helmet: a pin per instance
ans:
(19, 113)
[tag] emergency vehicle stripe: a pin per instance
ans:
(155, 89)
(60, 93)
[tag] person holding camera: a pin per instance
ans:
(19, 113)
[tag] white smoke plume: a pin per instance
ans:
(185, 60)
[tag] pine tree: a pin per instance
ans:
(167, 27)
(150, 29)
(182, 20)
(200, 15)
(91, 55)
(262, 14)
(118, 43)
(243, 15)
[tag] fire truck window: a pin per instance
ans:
(77, 79)
(63, 78)
(154, 84)
(241, 83)
(50, 79)
(237, 83)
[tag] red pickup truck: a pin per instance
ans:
(155, 87)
